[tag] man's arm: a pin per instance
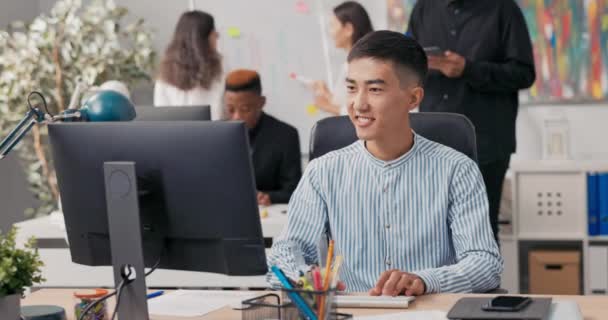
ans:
(290, 170)
(296, 248)
(479, 264)
(517, 71)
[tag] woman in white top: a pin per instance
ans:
(349, 23)
(191, 70)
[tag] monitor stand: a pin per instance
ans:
(126, 237)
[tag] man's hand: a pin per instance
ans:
(395, 282)
(264, 199)
(451, 64)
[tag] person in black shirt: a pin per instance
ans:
(275, 145)
(485, 57)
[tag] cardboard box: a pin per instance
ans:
(554, 272)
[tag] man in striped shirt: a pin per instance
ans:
(408, 215)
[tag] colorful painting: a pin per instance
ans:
(570, 39)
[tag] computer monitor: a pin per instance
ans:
(181, 113)
(198, 206)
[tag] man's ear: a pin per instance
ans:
(416, 96)
(262, 102)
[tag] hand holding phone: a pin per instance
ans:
(433, 51)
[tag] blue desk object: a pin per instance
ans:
(294, 296)
(155, 294)
(42, 313)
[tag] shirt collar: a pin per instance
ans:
(258, 125)
(392, 163)
(253, 133)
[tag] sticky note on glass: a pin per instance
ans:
(312, 110)
(597, 90)
(234, 32)
(302, 7)
(604, 22)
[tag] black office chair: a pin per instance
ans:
(450, 129)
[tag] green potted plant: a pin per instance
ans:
(73, 43)
(20, 268)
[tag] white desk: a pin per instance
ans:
(60, 271)
(591, 307)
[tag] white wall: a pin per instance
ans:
(11, 10)
(588, 126)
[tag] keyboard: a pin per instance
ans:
(385, 302)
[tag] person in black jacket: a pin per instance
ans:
(484, 58)
(275, 145)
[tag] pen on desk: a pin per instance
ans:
(316, 280)
(294, 296)
(316, 277)
(334, 271)
(326, 280)
(304, 284)
(155, 294)
(330, 257)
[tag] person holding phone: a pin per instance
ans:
(485, 57)
(349, 23)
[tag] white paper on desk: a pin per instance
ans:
(193, 303)
(409, 315)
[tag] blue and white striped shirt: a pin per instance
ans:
(425, 213)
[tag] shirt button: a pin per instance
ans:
(453, 32)
(445, 96)
(385, 189)
(456, 11)
(388, 226)
(388, 262)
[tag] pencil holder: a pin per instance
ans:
(288, 306)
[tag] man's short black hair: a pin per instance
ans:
(244, 80)
(403, 51)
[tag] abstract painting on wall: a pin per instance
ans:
(570, 39)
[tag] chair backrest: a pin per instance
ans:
(450, 129)
(173, 113)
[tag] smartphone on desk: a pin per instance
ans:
(507, 303)
(433, 51)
